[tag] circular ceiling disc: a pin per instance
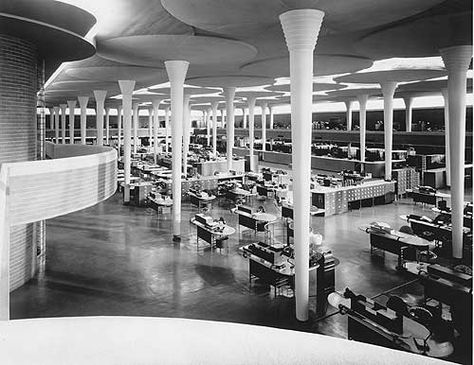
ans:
(285, 88)
(115, 73)
(152, 50)
(240, 17)
(391, 75)
(432, 85)
(229, 81)
(187, 90)
(420, 38)
(322, 65)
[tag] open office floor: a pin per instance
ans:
(113, 259)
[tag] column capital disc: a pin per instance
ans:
(176, 70)
(126, 86)
(388, 88)
(362, 98)
(301, 28)
(71, 104)
(100, 95)
(456, 57)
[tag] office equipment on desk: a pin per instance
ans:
(405, 246)
(139, 192)
(400, 329)
(427, 195)
(160, 204)
(273, 265)
(200, 199)
(211, 231)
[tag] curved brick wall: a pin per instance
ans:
(18, 83)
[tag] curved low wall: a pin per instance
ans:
(142, 340)
(77, 177)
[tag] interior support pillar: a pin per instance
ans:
(229, 93)
(99, 96)
(214, 106)
(71, 104)
(126, 87)
(251, 102)
(301, 29)
(348, 114)
(136, 122)
(444, 92)
(270, 108)
(156, 126)
(362, 124)
(83, 100)
(167, 128)
(119, 127)
(56, 124)
(408, 112)
(264, 125)
(208, 127)
(176, 73)
(456, 60)
(63, 122)
(388, 90)
(107, 125)
(186, 131)
(150, 127)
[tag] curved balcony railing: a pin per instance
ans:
(76, 177)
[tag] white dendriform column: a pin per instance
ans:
(270, 108)
(167, 128)
(51, 118)
(244, 118)
(208, 127)
(214, 105)
(156, 126)
(349, 114)
(150, 127)
(186, 131)
(251, 102)
(363, 124)
(119, 126)
(176, 73)
(136, 123)
(126, 87)
(56, 124)
(107, 125)
(456, 60)
(444, 92)
(83, 100)
(71, 104)
(63, 122)
(99, 96)
(408, 112)
(229, 93)
(301, 29)
(264, 125)
(388, 89)
(222, 118)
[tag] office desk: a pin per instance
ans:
(287, 211)
(254, 221)
(276, 274)
(201, 200)
(211, 235)
(239, 195)
(405, 246)
(160, 205)
(427, 198)
(467, 221)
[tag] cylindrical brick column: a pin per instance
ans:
(18, 87)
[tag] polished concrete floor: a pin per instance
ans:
(113, 259)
